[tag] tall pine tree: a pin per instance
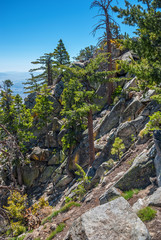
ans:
(45, 63)
(60, 54)
(111, 30)
(147, 43)
(79, 101)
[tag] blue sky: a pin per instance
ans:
(28, 29)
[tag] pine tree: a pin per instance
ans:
(118, 147)
(78, 101)
(86, 53)
(43, 108)
(34, 84)
(60, 54)
(6, 99)
(46, 64)
(15, 124)
(111, 30)
(147, 43)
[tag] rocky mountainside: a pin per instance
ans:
(103, 213)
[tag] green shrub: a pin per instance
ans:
(59, 229)
(147, 214)
(153, 124)
(129, 194)
(17, 228)
(83, 180)
(17, 204)
(39, 205)
(117, 148)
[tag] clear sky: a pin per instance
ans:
(28, 29)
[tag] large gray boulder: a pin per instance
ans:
(59, 87)
(111, 120)
(51, 140)
(152, 200)
(138, 175)
(155, 198)
(133, 110)
(29, 174)
(157, 160)
(126, 129)
(30, 100)
(113, 220)
(47, 174)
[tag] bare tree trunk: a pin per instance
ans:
(50, 80)
(109, 51)
(91, 138)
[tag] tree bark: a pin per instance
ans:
(109, 51)
(50, 80)
(91, 138)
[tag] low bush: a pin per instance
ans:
(147, 214)
(129, 194)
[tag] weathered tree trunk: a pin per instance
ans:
(91, 138)
(50, 80)
(109, 51)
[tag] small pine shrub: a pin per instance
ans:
(83, 176)
(17, 204)
(117, 148)
(147, 214)
(41, 204)
(153, 124)
(80, 191)
(83, 180)
(17, 228)
(68, 199)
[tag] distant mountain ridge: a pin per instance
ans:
(17, 78)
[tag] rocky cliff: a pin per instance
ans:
(104, 213)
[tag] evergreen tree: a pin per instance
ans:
(34, 84)
(86, 53)
(147, 44)
(117, 148)
(78, 101)
(15, 124)
(43, 108)
(6, 99)
(46, 64)
(111, 31)
(60, 54)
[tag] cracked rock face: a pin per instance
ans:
(157, 160)
(113, 220)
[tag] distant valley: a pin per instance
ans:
(17, 78)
